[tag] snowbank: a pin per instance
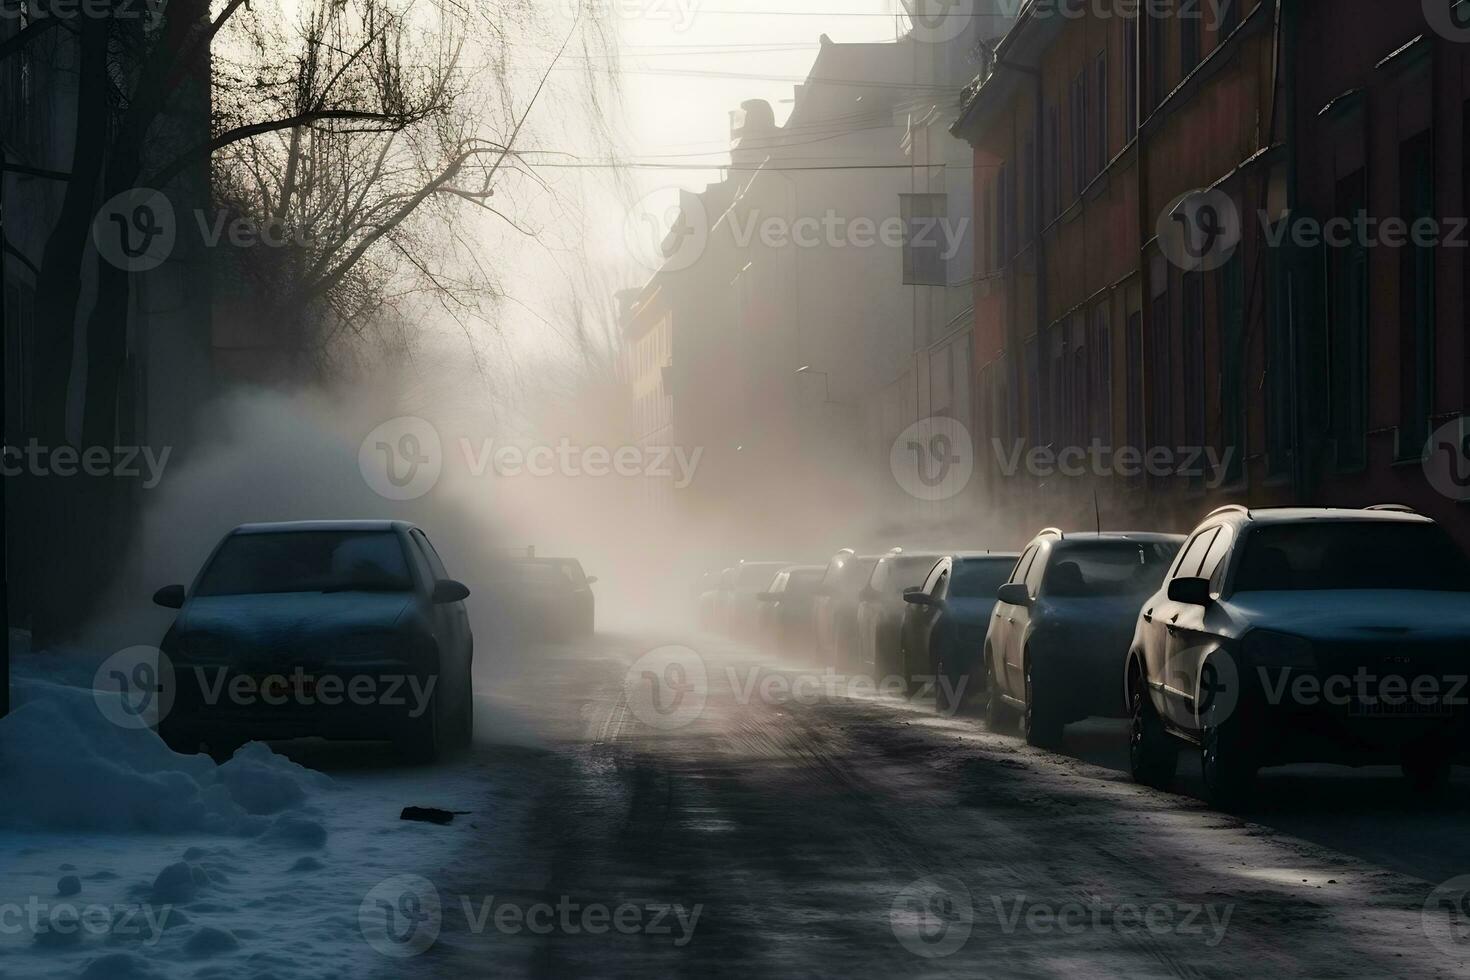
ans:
(63, 765)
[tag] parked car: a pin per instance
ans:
(1059, 634)
(946, 621)
(336, 629)
(824, 606)
(723, 601)
(707, 598)
(546, 597)
(751, 579)
(1304, 635)
(784, 619)
(836, 608)
(881, 608)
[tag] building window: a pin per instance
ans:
(1079, 134)
(1054, 162)
(1100, 385)
(1416, 296)
(1130, 79)
(1029, 180)
(923, 250)
(1189, 37)
(1347, 337)
(1232, 367)
(1192, 323)
(1157, 60)
(1229, 17)
(1100, 99)
(1134, 379)
(1280, 367)
(1161, 387)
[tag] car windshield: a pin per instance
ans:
(756, 578)
(855, 575)
(307, 561)
(804, 581)
(980, 578)
(1351, 555)
(542, 576)
(905, 573)
(1108, 568)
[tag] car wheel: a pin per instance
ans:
(421, 741)
(1042, 722)
(1426, 770)
(1227, 763)
(997, 712)
(1153, 754)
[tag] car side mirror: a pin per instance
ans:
(591, 579)
(448, 590)
(1190, 591)
(912, 589)
(921, 598)
(1014, 594)
(169, 597)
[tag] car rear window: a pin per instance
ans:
(1351, 555)
(756, 578)
(307, 561)
(1108, 568)
(980, 578)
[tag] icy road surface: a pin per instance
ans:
(678, 805)
(778, 829)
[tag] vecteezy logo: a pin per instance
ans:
(933, 459)
(1450, 19)
(933, 916)
(1447, 459)
(1445, 917)
(667, 229)
(939, 21)
(134, 688)
(401, 917)
(402, 458)
(667, 688)
(1200, 230)
(135, 230)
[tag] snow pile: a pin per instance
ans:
(63, 765)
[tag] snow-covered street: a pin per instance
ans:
(784, 821)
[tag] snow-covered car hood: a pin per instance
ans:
(313, 624)
(1357, 614)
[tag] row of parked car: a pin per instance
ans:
(1261, 638)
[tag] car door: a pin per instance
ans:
(1020, 622)
(920, 621)
(1173, 627)
(451, 619)
(1002, 625)
(938, 638)
(870, 611)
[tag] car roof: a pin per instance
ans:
(288, 527)
(1144, 536)
(804, 568)
(974, 555)
(1286, 515)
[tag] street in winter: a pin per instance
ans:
(638, 488)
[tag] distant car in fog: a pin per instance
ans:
(706, 598)
(751, 579)
(546, 597)
(722, 600)
(881, 608)
(944, 626)
(334, 629)
(834, 614)
(1357, 620)
(784, 619)
(1060, 631)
